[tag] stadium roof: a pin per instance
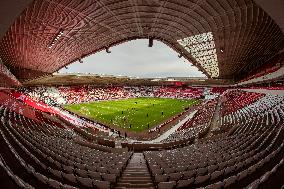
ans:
(223, 38)
(109, 80)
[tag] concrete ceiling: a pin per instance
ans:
(220, 37)
(9, 11)
(275, 9)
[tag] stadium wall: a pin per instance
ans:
(7, 79)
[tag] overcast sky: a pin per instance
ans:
(135, 58)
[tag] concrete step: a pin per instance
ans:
(126, 181)
(135, 178)
(134, 188)
(135, 185)
(136, 174)
(137, 170)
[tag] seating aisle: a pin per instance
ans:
(216, 116)
(266, 91)
(136, 174)
(173, 129)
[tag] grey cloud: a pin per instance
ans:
(135, 58)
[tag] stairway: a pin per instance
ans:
(136, 174)
(216, 116)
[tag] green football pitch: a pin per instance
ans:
(132, 114)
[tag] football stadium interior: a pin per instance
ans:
(67, 131)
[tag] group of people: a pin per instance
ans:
(72, 95)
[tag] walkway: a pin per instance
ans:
(136, 174)
(216, 116)
(266, 91)
(171, 130)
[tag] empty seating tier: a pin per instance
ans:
(38, 153)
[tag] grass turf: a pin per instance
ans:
(132, 114)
